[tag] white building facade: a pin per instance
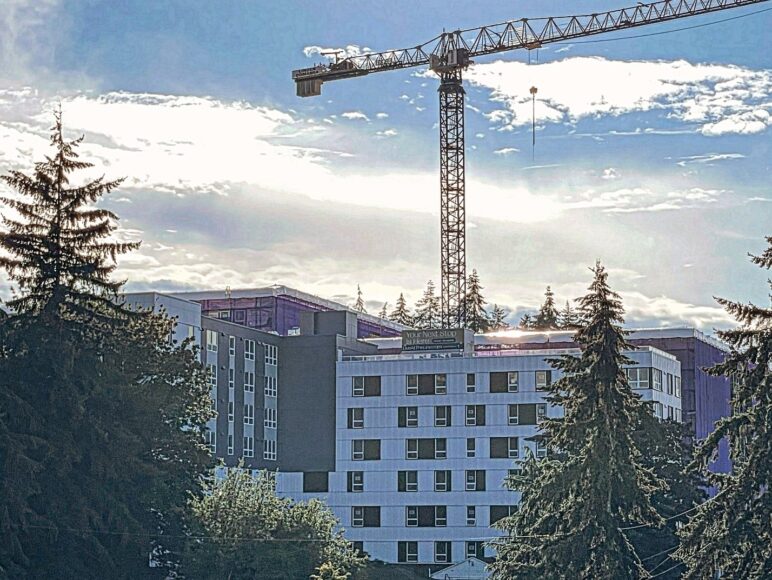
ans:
(425, 441)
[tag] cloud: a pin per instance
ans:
(648, 309)
(506, 151)
(329, 53)
(352, 115)
(709, 158)
(610, 173)
(387, 133)
(718, 99)
(381, 115)
(642, 199)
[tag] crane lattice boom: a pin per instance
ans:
(448, 55)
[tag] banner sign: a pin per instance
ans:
(433, 340)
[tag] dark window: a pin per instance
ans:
(527, 414)
(407, 416)
(507, 382)
(355, 481)
(470, 382)
(407, 481)
(501, 511)
(475, 480)
(442, 416)
(442, 553)
(504, 447)
(356, 418)
(365, 449)
(314, 481)
(543, 380)
(426, 384)
(407, 552)
(471, 515)
(475, 550)
(426, 516)
(442, 480)
(359, 547)
(366, 516)
(470, 447)
(475, 415)
(366, 386)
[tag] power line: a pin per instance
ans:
(665, 31)
(668, 570)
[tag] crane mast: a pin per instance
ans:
(448, 55)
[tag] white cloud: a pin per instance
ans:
(387, 133)
(719, 99)
(382, 115)
(709, 158)
(610, 173)
(640, 306)
(352, 115)
(329, 53)
(643, 199)
(506, 151)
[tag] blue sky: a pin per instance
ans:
(652, 153)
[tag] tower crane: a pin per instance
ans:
(450, 53)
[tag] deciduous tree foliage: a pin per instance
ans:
(246, 531)
(732, 533)
(101, 416)
(476, 317)
(575, 502)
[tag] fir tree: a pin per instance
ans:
(575, 503)
(547, 317)
(427, 309)
(526, 322)
(384, 312)
(401, 313)
(101, 417)
(359, 305)
(476, 316)
(568, 318)
(732, 532)
(499, 318)
(291, 539)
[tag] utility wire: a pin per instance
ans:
(668, 570)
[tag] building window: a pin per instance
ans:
(677, 385)
(523, 414)
(541, 449)
(407, 552)
(426, 384)
(475, 480)
(475, 415)
(508, 382)
(475, 550)
(541, 411)
(442, 480)
(355, 481)
(356, 418)
(231, 378)
(669, 384)
(639, 378)
(407, 416)
(211, 441)
(411, 516)
(231, 346)
(230, 443)
(407, 481)
(504, 447)
(271, 354)
(211, 341)
(212, 373)
(442, 416)
(658, 410)
(513, 418)
(426, 516)
(471, 515)
(442, 553)
(269, 389)
(249, 381)
(498, 512)
(270, 418)
(366, 386)
(315, 482)
(426, 448)
(249, 349)
(249, 414)
(269, 449)
(656, 379)
(249, 446)
(543, 380)
(470, 382)
(365, 449)
(471, 447)
(230, 411)
(366, 516)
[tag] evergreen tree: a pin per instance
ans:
(575, 503)
(526, 322)
(476, 316)
(401, 313)
(359, 305)
(427, 309)
(547, 317)
(251, 532)
(101, 417)
(384, 313)
(568, 318)
(499, 318)
(732, 533)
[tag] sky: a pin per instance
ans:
(652, 153)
